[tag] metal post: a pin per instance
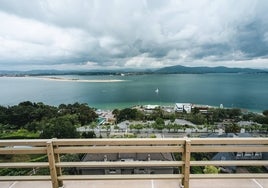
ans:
(186, 157)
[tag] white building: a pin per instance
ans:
(183, 107)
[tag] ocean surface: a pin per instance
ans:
(247, 91)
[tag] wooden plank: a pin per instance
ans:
(33, 150)
(215, 141)
(103, 164)
(24, 165)
(229, 176)
(119, 149)
(111, 142)
(57, 160)
(121, 177)
(161, 141)
(228, 148)
(25, 178)
(52, 167)
(231, 163)
(186, 157)
(30, 142)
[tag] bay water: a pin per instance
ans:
(246, 91)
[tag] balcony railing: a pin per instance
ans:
(54, 148)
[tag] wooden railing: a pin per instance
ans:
(54, 148)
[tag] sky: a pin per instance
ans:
(137, 34)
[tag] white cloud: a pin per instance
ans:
(133, 33)
(143, 61)
(23, 39)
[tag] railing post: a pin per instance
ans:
(58, 169)
(186, 157)
(52, 165)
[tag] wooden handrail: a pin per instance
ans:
(53, 148)
(121, 164)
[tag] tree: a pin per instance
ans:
(3, 115)
(93, 125)
(195, 110)
(234, 112)
(33, 126)
(20, 115)
(159, 124)
(209, 169)
(232, 128)
(265, 112)
(60, 127)
(136, 127)
(157, 113)
(172, 118)
(116, 113)
(89, 134)
(160, 121)
(84, 113)
(198, 119)
(169, 126)
(128, 114)
(26, 112)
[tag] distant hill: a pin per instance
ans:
(32, 72)
(75, 72)
(178, 69)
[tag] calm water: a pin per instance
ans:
(247, 91)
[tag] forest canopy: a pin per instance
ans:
(44, 120)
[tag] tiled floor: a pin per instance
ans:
(215, 183)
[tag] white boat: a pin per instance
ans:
(157, 90)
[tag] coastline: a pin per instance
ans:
(60, 79)
(78, 80)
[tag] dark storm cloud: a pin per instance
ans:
(88, 34)
(251, 40)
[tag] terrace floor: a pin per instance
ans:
(206, 183)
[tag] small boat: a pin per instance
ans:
(157, 90)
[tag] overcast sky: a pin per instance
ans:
(111, 34)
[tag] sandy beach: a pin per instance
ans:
(78, 80)
(60, 79)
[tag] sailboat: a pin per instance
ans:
(157, 90)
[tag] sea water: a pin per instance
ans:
(247, 91)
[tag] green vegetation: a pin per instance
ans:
(265, 112)
(37, 120)
(209, 169)
(159, 124)
(129, 114)
(90, 134)
(256, 169)
(22, 158)
(29, 120)
(232, 128)
(19, 134)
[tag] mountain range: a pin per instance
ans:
(178, 69)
